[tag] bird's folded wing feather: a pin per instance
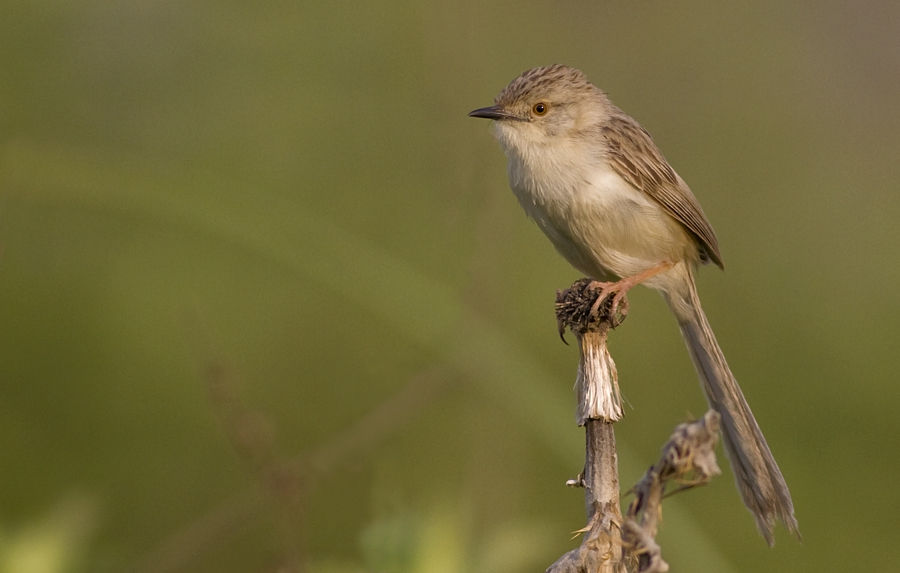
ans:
(637, 159)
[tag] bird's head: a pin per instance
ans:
(544, 104)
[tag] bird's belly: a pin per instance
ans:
(608, 229)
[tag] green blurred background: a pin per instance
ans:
(268, 304)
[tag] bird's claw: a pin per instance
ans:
(617, 310)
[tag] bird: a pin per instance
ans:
(597, 185)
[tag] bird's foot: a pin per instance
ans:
(619, 288)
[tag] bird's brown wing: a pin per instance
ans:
(637, 159)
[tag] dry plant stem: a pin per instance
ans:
(597, 383)
(601, 550)
(601, 485)
(688, 459)
(599, 406)
(588, 311)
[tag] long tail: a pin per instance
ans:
(757, 475)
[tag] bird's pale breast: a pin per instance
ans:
(602, 225)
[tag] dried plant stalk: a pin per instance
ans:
(613, 544)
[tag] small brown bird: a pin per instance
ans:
(596, 184)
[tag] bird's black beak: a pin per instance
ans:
(494, 112)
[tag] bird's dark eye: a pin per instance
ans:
(540, 108)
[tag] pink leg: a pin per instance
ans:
(622, 286)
